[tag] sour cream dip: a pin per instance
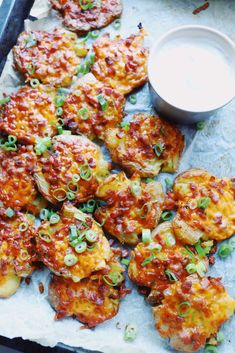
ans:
(192, 68)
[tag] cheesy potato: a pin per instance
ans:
(49, 57)
(30, 114)
(121, 63)
(205, 207)
(81, 18)
(74, 247)
(93, 300)
(72, 170)
(146, 145)
(192, 312)
(131, 206)
(18, 189)
(93, 107)
(17, 252)
(162, 261)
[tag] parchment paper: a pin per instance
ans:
(27, 314)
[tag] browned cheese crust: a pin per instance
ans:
(133, 146)
(92, 300)
(49, 57)
(188, 326)
(121, 63)
(81, 21)
(29, 114)
(70, 156)
(217, 220)
(83, 113)
(167, 260)
(17, 252)
(130, 206)
(54, 244)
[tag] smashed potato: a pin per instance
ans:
(93, 300)
(121, 63)
(29, 114)
(68, 248)
(49, 57)
(78, 18)
(206, 207)
(17, 252)
(92, 108)
(192, 312)
(18, 189)
(71, 171)
(146, 145)
(131, 206)
(163, 261)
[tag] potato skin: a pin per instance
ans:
(52, 253)
(17, 252)
(125, 215)
(18, 189)
(133, 147)
(56, 168)
(209, 304)
(173, 258)
(217, 220)
(29, 114)
(85, 95)
(91, 301)
(80, 21)
(121, 63)
(53, 56)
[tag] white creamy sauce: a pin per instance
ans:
(194, 74)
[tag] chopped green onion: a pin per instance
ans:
(191, 268)
(94, 34)
(24, 255)
(203, 203)
(148, 260)
(81, 217)
(125, 262)
(232, 243)
(125, 125)
(201, 251)
(31, 68)
(84, 113)
(70, 260)
(31, 41)
(184, 309)
(75, 178)
(170, 240)
(86, 4)
(149, 180)
(158, 149)
(9, 148)
(4, 100)
(146, 235)
(66, 132)
(45, 235)
(54, 218)
(169, 183)
(200, 125)
(136, 188)
(91, 59)
(44, 213)
(155, 247)
(73, 232)
(211, 349)
(59, 101)
(85, 172)
(59, 111)
(102, 101)
(23, 227)
(172, 277)
(166, 216)
(132, 99)
(201, 268)
(70, 195)
(80, 248)
(60, 130)
(59, 194)
(130, 333)
(11, 139)
(220, 337)
(9, 212)
(43, 143)
(91, 236)
(225, 250)
(113, 279)
(83, 68)
(73, 187)
(117, 24)
(34, 82)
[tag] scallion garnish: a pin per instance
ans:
(86, 4)
(60, 130)
(31, 67)
(45, 235)
(9, 212)
(136, 188)
(148, 180)
(24, 255)
(170, 240)
(225, 250)
(70, 260)
(66, 132)
(146, 235)
(23, 227)
(191, 268)
(211, 349)
(54, 218)
(201, 251)
(30, 41)
(184, 309)
(148, 260)
(166, 216)
(72, 186)
(125, 262)
(59, 111)
(70, 195)
(125, 125)
(59, 194)
(200, 125)
(91, 236)
(83, 68)
(102, 101)
(130, 333)
(44, 213)
(43, 143)
(203, 203)
(117, 24)
(81, 247)
(59, 100)
(158, 149)
(34, 83)
(91, 59)
(172, 277)
(132, 99)
(220, 337)
(201, 268)
(94, 34)
(84, 113)
(73, 232)
(85, 172)
(169, 183)
(4, 100)
(113, 279)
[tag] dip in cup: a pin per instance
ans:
(191, 72)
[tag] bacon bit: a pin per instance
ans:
(117, 251)
(27, 280)
(211, 260)
(186, 286)
(144, 291)
(201, 8)
(193, 186)
(124, 253)
(124, 291)
(41, 287)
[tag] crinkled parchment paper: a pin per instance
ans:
(28, 313)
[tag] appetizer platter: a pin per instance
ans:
(116, 224)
